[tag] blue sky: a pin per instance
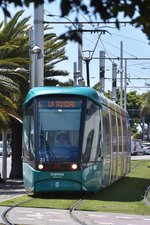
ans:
(135, 45)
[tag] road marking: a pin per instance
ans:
(93, 215)
(124, 217)
(146, 218)
(24, 211)
(57, 220)
(55, 213)
(37, 215)
(103, 223)
(130, 224)
(25, 218)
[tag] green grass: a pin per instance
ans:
(124, 196)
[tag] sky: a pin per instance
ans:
(135, 46)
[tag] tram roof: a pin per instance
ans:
(48, 90)
(88, 92)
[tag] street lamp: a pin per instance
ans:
(36, 49)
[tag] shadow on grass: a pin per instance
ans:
(127, 189)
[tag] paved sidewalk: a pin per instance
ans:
(11, 189)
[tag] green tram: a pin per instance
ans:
(74, 139)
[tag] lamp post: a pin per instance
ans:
(38, 47)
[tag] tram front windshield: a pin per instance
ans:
(59, 120)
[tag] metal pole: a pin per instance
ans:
(114, 82)
(121, 72)
(102, 70)
(87, 61)
(39, 41)
(143, 128)
(80, 52)
(75, 73)
(125, 86)
(32, 59)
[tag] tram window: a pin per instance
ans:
(86, 155)
(28, 138)
(91, 132)
(106, 132)
(114, 133)
(120, 133)
(125, 135)
(54, 122)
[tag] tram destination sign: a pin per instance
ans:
(62, 104)
(59, 103)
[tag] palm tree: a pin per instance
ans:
(14, 53)
(8, 96)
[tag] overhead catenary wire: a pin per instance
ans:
(102, 42)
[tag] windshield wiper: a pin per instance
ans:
(48, 149)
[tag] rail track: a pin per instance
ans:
(72, 209)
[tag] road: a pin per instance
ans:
(38, 216)
(140, 157)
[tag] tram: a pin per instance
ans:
(74, 139)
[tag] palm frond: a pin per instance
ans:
(9, 27)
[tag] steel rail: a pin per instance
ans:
(5, 213)
(73, 208)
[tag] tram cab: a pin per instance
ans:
(62, 140)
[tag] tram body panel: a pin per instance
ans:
(92, 176)
(45, 181)
(89, 179)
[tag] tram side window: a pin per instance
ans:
(28, 138)
(125, 135)
(91, 133)
(120, 132)
(114, 132)
(106, 132)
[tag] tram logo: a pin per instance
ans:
(57, 175)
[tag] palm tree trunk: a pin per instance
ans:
(16, 170)
(4, 155)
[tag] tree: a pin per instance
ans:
(8, 106)
(8, 96)
(54, 51)
(14, 47)
(145, 113)
(137, 11)
(133, 104)
(14, 54)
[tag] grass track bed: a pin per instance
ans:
(124, 196)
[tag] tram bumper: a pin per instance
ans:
(57, 185)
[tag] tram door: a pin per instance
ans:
(91, 149)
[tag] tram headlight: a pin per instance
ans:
(74, 166)
(40, 166)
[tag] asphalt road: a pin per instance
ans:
(37, 216)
